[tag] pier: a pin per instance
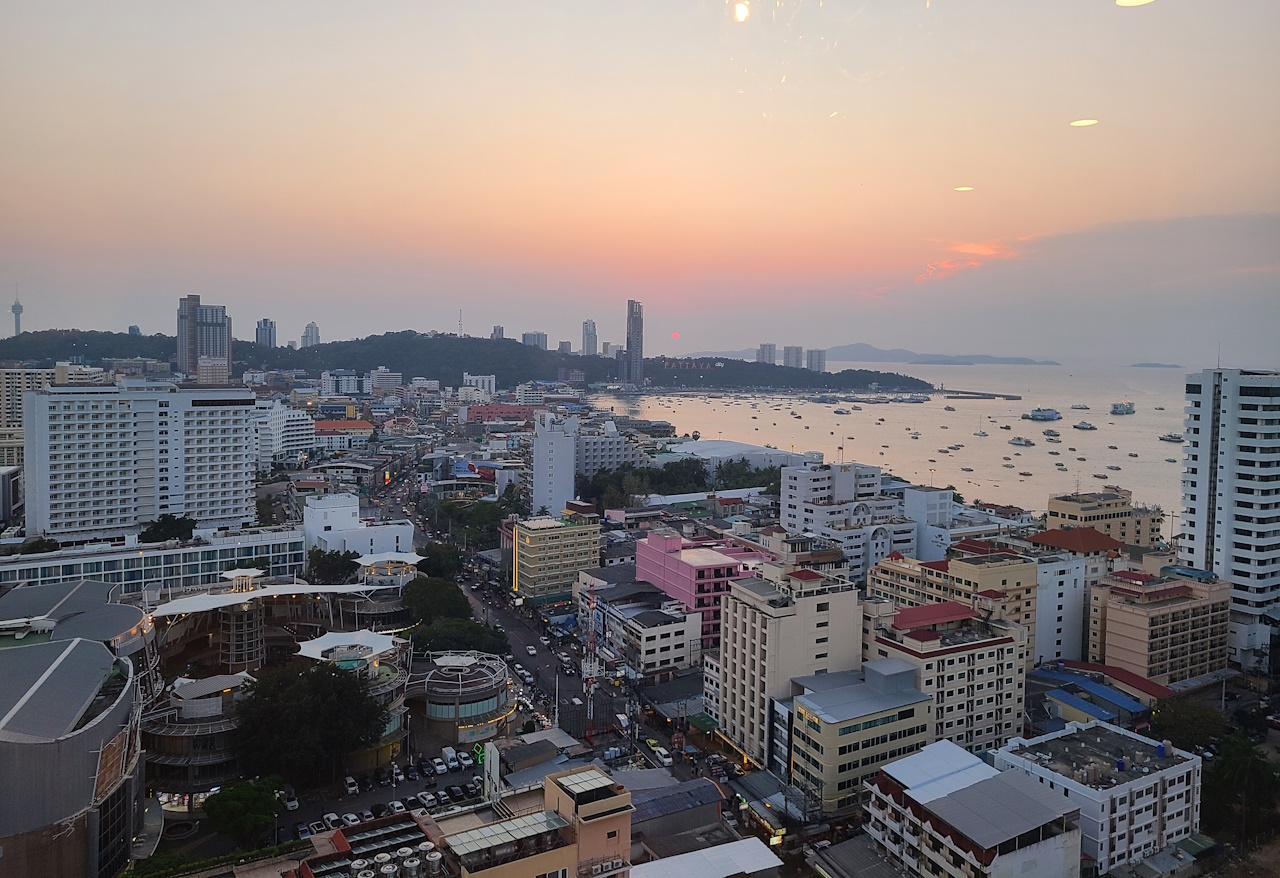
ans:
(976, 394)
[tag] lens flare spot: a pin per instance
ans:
(675, 335)
(1134, 2)
(1083, 123)
(964, 188)
(741, 11)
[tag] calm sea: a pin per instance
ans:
(863, 436)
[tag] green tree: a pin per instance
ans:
(432, 598)
(300, 720)
(1188, 723)
(167, 527)
(39, 545)
(330, 568)
(245, 810)
(440, 560)
(956, 495)
(444, 635)
(263, 564)
(1239, 790)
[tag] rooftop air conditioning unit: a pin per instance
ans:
(595, 870)
(617, 862)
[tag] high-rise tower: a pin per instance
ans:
(588, 338)
(17, 317)
(203, 331)
(634, 362)
(266, 334)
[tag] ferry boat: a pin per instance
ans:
(1084, 425)
(841, 412)
(1113, 468)
(1021, 441)
(1080, 407)
(1171, 437)
(1050, 433)
(1122, 408)
(914, 435)
(1042, 415)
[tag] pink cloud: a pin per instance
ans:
(966, 254)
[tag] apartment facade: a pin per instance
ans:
(1164, 628)
(971, 664)
(203, 331)
(767, 353)
(548, 554)
(793, 356)
(553, 462)
(102, 461)
(281, 433)
(1110, 512)
(606, 449)
(1230, 497)
(651, 634)
(815, 360)
(265, 333)
(1136, 796)
(772, 632)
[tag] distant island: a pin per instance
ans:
(446, 356)
(1155, 366)
(865, 353)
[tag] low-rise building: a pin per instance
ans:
(1166, 628)
(1135, 796)
(1110, 512)
(942, 811)
(332, 523)
(603, 448)
(549, 553)
(652, 634)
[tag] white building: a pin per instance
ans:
(767, 353)
(589, 345)
(941, 522)
(332, 523)
(606, 449)
(103, 461)
(1136, 796)
(554, 462)
(529, 394)
(487, 383)
(793, 356)
(1062, 601)
(650, 633)
(340, 382)
(842, 503)
(1232, 434)
(383, 380)
(281, 433)
(815, 360)
(310, 336)
(942, 811)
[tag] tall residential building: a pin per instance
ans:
(634, 361)
(103, 461)
(767, 353)
(1229, 498)
(1136, 796)
(774, 631)
(134, 329)
(14, 383)
(310, 335)
(16, 308)
(534, 339)
(815, 360)
(608, 349)
(554, 461)
(497, 334)
(548, 554)
(793, 356)
(589, 346)
(266, 334)
(564, 347)
(487, 383)
(1111, 511)
(604, 448)
(281, 433)
(203, 331)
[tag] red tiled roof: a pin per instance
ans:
(1076, 539)
(805, 575)
(1120, 675)
(976, 547)
(991, 593)
(925, 634)
(941, 566)
(925, 615)
(895, 556)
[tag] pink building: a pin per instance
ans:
(696, 574)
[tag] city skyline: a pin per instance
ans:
(803, 160)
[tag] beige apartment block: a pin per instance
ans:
(1003, 580)
(770, 632)
(1164, 628)
(970, 662)
(1110, 512)
(549, 553)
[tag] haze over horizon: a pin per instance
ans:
(791, 177)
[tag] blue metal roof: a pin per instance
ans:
(1086, 707)
(1113, 697)
(660, 802)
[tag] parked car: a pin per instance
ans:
(381, 776)
(350, 819)
(366, 783)
(456, 793)
(290, 799)
(332, 821)
(396, 773)
(443, 797)
(352, 788)
(651, 743)
(378, 809)
(439, 766)
(545, 641)
(302, 830)
(531, 649)
(410, 771)
(428, 800)
(395, 807)
(474, 786)
(1273, 721)
(317, 827)
(366, 815)
(465, 760)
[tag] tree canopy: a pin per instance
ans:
(459, 634)
(168, 527)
(330, 568)
(1239, 790)
(1188, 723)
(244, 811)
(300, 719)
(39, 545)
(623, 486)
(431, 598)
(441, 560)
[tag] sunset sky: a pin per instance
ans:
(790, 177)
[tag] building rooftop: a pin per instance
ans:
(47, 688)
(661, 801)
(1100, 744)
(850, 702)
(747, 856)
(1110, 696)
(704, 557)
(1000, 808)
(1076, 539)
(1088, 708)
(908, 618)
(938, 769)
(209, 686)
(505, 832)
(318, 647)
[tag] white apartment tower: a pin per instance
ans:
(266, 333)
(310, 335)
(767, 353)
(1231, 498)
(102, 461)
(281, 433)
(203, 331)
(554, 459)
(589, 346)
(793, 356)
(815, 360)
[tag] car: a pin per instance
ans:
(428, 800)
(465, 760)
(439, 766)
(651, 743)
(332, 821)
(366, 783)
(317, 828)
(395, 807)
(410, 771)
(366, 815)
(456, 793)
(378, 809)
(290, 799)
(350, 819)
(474, 786)
(545, 641)
(424, 765)
(1273, 721)
(303, 831)
(568, 671)
(352, 788)
(531, 649)
(381, 776)
(442, 798)
(396, 773)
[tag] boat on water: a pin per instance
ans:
(1054, 439)
(944, 450)
(1038, 414)
(1170, 460)
(981, 434)
(1099, 475)
(1021, 441)
(914, 435)
(1055, 453)
(1080, 407)
(1113, 447)
(966, 469)
(1008, 458)
(1113, 468)
(1123, 408)
(1025, 473)
(1050, 432)
(1084, 425)
(1079, 458)
(948, 408)
(841, 412)
(1159, 408)
(1008, 466)
(1005, 427)
(1171, 437)
(1133, 454)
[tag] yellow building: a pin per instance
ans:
(1164, 628)
(1110, 512)
(548, 553)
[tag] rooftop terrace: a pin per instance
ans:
(1101, 745)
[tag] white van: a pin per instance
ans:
(664, 758)
(450, 757)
